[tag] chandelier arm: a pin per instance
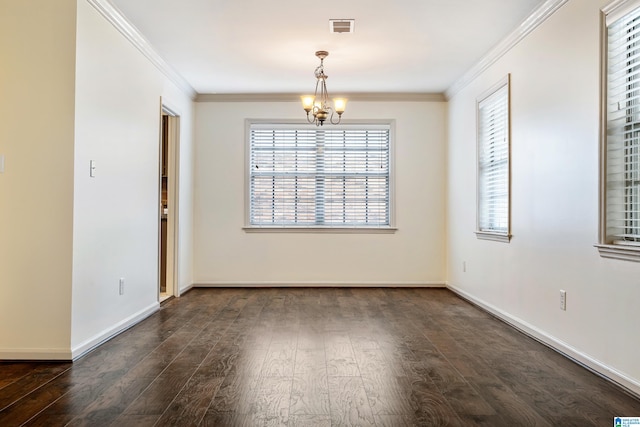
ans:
(309, 119)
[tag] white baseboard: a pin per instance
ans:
(630, 384)
(313, 284)
(116, 329)
(186, 289)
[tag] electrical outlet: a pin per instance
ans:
(121, 288)
(563, 299)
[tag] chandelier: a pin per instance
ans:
(319, 105)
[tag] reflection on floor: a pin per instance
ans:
(313, 357)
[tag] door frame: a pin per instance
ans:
(173, 175)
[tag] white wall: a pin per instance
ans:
(37, 53)
(555, 113)
(118, 107)
(224, 254)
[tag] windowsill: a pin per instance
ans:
(619, 251)
(496, 237)
(339, 230)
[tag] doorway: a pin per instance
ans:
(168, 211)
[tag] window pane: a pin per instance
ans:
(623, 130)
(319, 177)
(493, 161)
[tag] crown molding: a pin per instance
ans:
(131, 33)
(294, 97)
(617, 9)
(537, 17)
(613, 5)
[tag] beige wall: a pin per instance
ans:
(554, 111)
(75, 90)
(224, 254)
(37, 76)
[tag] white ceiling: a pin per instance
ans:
(252, 46)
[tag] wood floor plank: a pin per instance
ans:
(386, 420)
(310, 394)
(35, 377)
(430, 407)
(280, 358)
(271, 405)
(107, 406)
(510, 407)
(13, 372)
(237, 393)
(313, 357)
(341, 361)
(135, 421)
(190, 405)
(387, 394)
(161, 392)
(36, 401)
(310, 421)
(81, 392)
(349, 402)
(310, 338)
(217, 419)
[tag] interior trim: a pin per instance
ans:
(493, 236)
(318, 284)
(35, 354)
(621, 252)
(321, 230)
(620, 379)
(111, 332)
(118, 20)
(295, 97)
(131, 33)
(537, 17)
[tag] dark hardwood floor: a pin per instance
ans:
(313, 357)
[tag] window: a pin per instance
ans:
(620, 140)
(304, 176)
(493, 163)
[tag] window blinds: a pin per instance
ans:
(314, 177)
(493, 162)
(623, 130)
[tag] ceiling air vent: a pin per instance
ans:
(341, 25)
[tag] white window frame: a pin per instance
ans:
(488, 225)
(612, 243)
(318, 228)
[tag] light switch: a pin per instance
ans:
(1, 163)
(92, 168)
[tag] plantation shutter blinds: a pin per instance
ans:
(493, 162)
(315, 177)
(623, 129)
